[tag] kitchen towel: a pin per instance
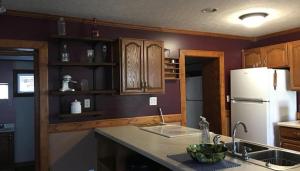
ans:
(189, 162)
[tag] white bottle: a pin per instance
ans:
(76, 107)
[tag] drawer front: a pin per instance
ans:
(290, 144)
(290, 133)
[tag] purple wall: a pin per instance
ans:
(38, 29)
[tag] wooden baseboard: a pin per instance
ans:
(85, 125)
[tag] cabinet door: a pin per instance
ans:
(294, 61)
(252, 58)
(154, 66)
(6, 149)
(132, 66)
(276, 55)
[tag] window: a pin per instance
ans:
(23, 83)
(3, 90)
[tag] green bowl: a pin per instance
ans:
(207, 153)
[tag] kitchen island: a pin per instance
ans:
(115, 144)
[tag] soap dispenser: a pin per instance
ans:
(204, 128)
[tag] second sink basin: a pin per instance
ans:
(241, 145)
(275, 159)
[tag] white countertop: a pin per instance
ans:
(157, 147)
(291, 124)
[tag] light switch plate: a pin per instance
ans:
(87, 103)
(153, 101)
(227, 98)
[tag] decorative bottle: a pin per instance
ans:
(65, 57)
(61, 26)
(204, 128)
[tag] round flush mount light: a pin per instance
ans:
(209, 10)
(254, 19)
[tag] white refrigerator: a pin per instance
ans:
(194, 101)
(260, 99)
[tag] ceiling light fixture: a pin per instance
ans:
(253, 19)
(2, 8)
(208, 10)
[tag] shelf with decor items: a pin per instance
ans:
(171, 68)
(89, 63)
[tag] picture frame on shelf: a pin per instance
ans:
(23, 83)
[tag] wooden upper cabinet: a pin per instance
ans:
(276, 55)
(294, 61)
(132, 65)
(153, 66)
(252, 58)
(142, 66)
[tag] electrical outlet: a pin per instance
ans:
(87, 103)
(153, 101)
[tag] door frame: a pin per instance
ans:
(219, 55)
(41, 97)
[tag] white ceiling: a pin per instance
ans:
(176, 14)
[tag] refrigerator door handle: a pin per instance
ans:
(248, 100)
(275, 80)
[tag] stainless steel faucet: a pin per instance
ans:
(233, 134)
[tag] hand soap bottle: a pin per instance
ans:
(204, 128)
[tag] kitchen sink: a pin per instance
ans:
(240, 146)
(275, 159)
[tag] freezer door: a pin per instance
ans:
(255, 116)
(250, 83)
(194, 88)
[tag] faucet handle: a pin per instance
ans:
(245, 153)
(216, 139)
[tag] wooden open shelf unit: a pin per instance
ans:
(106, 66)
(171, 68)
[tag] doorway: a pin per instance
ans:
(40, 96)
(208, 73)
(17, 107)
